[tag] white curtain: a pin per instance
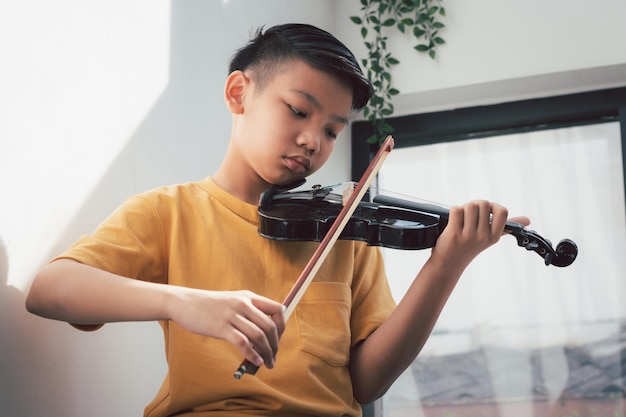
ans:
(517, 337)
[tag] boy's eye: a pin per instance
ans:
(297, 112)
(302, 115)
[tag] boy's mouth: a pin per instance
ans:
(299, 164)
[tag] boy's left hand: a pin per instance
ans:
(472, 228)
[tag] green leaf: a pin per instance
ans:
(386, 128)
(372, 140)
(418, 32)
(417, 16)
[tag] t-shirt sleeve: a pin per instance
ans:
(372, 301)
(129, 243)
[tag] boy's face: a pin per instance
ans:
(287, 130)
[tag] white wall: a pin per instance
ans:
(103, 99)
(506, 50)
(100, 100)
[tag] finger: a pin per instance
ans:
(258, 337)
(472, 216)
(485, 217)
(455, 218)
(242, 343)
(521, 220)
(274, 310)
(279, 320)
(499, 216)
(267, 306)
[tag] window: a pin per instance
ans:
(517, 337)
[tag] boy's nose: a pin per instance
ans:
(310, 141)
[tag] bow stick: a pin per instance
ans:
(322, 251)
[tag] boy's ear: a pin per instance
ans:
(236, 87)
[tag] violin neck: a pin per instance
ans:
(431, 208)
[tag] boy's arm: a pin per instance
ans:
(379, 360)
(71, 291)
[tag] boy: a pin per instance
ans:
(190, 256)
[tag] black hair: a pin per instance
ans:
(316, 47)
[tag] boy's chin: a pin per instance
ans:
(289, 185)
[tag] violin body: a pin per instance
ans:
(388, 222)
(308, 216)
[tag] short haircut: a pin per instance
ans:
(268, 50)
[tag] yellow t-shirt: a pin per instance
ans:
(197, 235)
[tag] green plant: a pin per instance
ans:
(418, 17)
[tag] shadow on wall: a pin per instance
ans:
(22, 368)
(49, 368)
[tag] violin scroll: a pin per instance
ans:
(563, 255)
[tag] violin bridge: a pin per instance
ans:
(348, 189)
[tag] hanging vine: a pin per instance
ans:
(418, 17)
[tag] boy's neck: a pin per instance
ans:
(242, 188)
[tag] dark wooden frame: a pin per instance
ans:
(499, 119)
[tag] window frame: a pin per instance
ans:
(497, 119)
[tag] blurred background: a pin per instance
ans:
(100, 100)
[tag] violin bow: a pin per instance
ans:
(325, 246)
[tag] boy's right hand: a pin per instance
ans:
(250, 322)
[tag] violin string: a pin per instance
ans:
(413, 198)
(344, 189)
(375, 190)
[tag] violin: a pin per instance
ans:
(386, 221)
(319, 215)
